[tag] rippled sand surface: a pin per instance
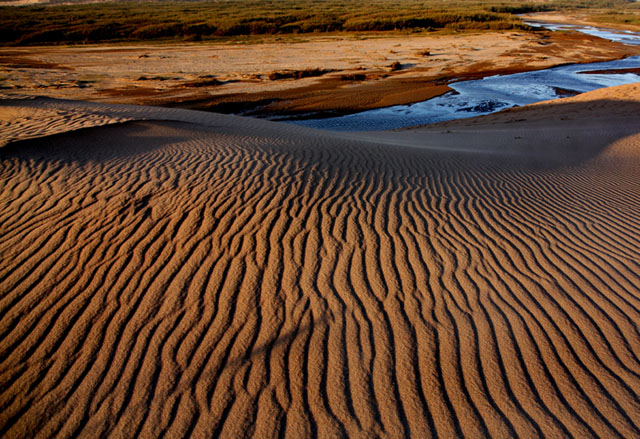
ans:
(176, 274)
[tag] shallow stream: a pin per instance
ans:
(495, 93)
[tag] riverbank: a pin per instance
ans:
(607, 19)
(487, 95)
(295, 76)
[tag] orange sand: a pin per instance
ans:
(178, 274)
(228, 77)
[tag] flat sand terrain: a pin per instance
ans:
(348, 73)
(170, 273)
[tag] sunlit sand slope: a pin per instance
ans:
(200, 276)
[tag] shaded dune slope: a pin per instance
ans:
(212, 276)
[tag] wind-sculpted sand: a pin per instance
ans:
(194, 275)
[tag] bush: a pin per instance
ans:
(297, 74)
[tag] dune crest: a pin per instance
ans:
(187, 274)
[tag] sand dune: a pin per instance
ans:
(180, 274)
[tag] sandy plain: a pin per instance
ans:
(235, 77)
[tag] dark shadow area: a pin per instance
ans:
(540, 137)
(93, 144)
(284, 339)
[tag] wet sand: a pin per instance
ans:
(355, 72)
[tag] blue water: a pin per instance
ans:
(622, 36)
(494, 93)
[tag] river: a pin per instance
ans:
(495, 93)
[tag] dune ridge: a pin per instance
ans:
(187, 274)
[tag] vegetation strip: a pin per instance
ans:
(144, 21)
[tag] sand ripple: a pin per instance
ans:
(212, 276)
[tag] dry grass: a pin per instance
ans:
(195, 21)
